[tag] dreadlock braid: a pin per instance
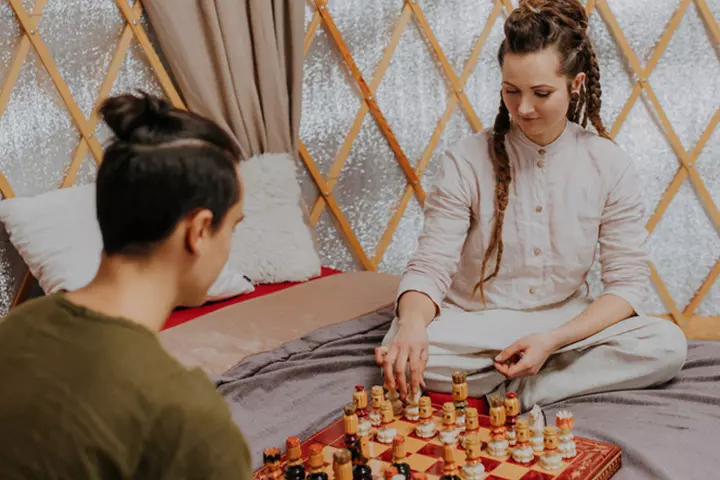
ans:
(594, 93)
(503, 178)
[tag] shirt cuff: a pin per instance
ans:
(422, 284)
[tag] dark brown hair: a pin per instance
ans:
(534, 26)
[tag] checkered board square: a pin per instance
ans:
(594, 460)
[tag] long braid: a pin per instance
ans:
(594, 92)
(503, 175)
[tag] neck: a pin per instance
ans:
(547, 137)
(135, 290)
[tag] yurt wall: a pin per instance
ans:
(388, 86)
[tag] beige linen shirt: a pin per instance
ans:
(566, 199)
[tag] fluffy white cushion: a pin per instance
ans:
(58, 237)
(273, 243)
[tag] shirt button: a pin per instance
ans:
(541, 151)
(537, 251)
(532, 291)
(540, 164)
(538, 209)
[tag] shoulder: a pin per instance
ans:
(472, 150)
(606, 155)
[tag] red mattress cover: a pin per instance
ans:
(183, 315)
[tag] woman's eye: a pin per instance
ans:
(511, 91)
(542, 94)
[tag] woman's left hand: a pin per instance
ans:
(526, 356)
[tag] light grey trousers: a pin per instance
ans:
(635, 353)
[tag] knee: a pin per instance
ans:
(669, 345)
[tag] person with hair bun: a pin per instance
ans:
(497, 287)
(88, 392)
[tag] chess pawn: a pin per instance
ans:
(412, 409)
(399, 457)
(537, 426)
(377, 398)
(498, 444)
(387, 431)
(361, 457)
(512, 410)
(472, 425)
(551, 458)
(473, 468)
(351, 425)
(360, 401)
(391, 473)
(397, 404)
(295, 469)
(316, 462)
(271, 459)
(460, 395)
(565, 422)
(426, 428)
(450, 469)
(449, 432)
(342, 468)
(522, 452)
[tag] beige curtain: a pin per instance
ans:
(238, 62)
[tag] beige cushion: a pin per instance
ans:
(222, 338)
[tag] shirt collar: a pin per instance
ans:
(519, 138)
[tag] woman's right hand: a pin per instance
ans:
(409, 347)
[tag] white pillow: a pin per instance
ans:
(273, 243)
(58, 237)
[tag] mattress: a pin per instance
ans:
(220, 338)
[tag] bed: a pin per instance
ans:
(670, 432)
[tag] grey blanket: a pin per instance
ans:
(670, 432)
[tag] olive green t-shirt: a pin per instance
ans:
(86, 396)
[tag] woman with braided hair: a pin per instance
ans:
(497, 287)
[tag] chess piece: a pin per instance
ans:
(419, 476)
(565, 422)
(449, 432)
(537, 426)
(512, 410)
(360, 459)
(551, 458)
(450, 469)
(473, 468)
(412, 409)
(360, 401)
(342, 468)
(498, 445)
(391, 473)
(316, 462)
(399, 457)
(271, 459)
(386, 432)
(397, 404)
(377, 398)
(460, 395)
(295, 469)
(426, 428)
(351, 425)
(522, 452)
(472, 425)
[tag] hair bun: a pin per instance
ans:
(126, 113)
(569, 13)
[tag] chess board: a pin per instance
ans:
(594, 460)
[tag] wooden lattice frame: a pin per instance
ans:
(411, 10)
(31, 38)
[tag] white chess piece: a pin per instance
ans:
(537, 424)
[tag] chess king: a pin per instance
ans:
(564, 421)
